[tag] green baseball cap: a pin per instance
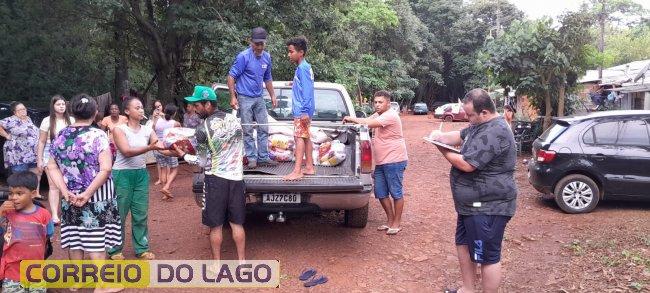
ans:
(202, 93)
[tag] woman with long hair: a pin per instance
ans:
(50, 127)
(80, 166)
(131, 177)
(21, 139)
(168, 165)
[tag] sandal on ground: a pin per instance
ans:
(393, 231)
(316, 281)
(447, 290)
(117, 256)
(146, 255)
(383, 228)
(306, 274)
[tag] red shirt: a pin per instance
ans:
(25, 239)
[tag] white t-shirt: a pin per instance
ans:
(135, 139)
(60, 124)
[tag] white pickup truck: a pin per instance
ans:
(346, 187)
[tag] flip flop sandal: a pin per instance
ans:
(447, 290)
(383, 228)
(306, 274)
(316, 281)
(392, 231)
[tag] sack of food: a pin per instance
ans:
(181, 137)
(280, 155)
(318, 135)
(281, 142)
(329, 153)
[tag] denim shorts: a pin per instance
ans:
(22, 167)
(166, 161)
(388, 180)
(483, 235)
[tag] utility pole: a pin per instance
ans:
(602, 17)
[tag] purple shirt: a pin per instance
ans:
(21, 149)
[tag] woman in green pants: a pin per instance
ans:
(131, 177)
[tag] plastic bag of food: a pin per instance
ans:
(281, 142)
(181, 137)
(329, 153)
(280, 155)
(318, 135)
(279, 129)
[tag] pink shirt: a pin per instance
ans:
(388, 143)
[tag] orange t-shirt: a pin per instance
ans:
(109, 124)
(388, 144)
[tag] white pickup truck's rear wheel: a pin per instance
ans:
(357, 218)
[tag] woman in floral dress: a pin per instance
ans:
(80, 165)
(22, 136)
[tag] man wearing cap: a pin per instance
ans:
(251, 69)
(220, 137)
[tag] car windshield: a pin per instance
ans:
(329, 105)
(553, 132)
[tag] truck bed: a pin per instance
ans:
(284, 168)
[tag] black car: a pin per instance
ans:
(582, 160)
(5, 111)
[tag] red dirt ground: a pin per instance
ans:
(545, 250)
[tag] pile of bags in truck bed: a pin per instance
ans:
(327, 150)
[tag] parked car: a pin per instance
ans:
(451, 112)
(395, 106)
(583, 160)
(5, 111)
(346, 187)
(420, 108)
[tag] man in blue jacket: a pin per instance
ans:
(303, 108)
(251, 69)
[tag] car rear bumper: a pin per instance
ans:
(541, 177)
(315, 202)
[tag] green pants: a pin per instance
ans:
(132, 191)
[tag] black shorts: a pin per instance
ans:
(224, 200)
(483, 235)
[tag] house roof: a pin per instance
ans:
(621, 75)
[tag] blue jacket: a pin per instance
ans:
(303, 90)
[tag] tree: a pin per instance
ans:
(538, 60)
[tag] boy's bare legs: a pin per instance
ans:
(159, 169)
(300, 153)
(239, 235)
(215, 241)
(309, 157)
(467, 269)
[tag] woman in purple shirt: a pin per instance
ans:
(21, 139)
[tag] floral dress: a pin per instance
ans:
(95, 226)
(21, 149)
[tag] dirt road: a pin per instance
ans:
(545, 250)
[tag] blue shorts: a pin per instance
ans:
(388, 180)
(166, 161)
(483, 235)
(22, 167)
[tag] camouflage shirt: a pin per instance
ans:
(490, 189)
(221, 138)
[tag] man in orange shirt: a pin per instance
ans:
(389, 152)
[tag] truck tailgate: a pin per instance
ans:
(275, 183)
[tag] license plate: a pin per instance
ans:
(281, 198)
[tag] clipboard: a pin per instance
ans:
(444, 145)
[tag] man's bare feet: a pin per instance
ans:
(293, 176)
(309, 171)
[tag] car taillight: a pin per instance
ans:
(544, 156)
(366, 157)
